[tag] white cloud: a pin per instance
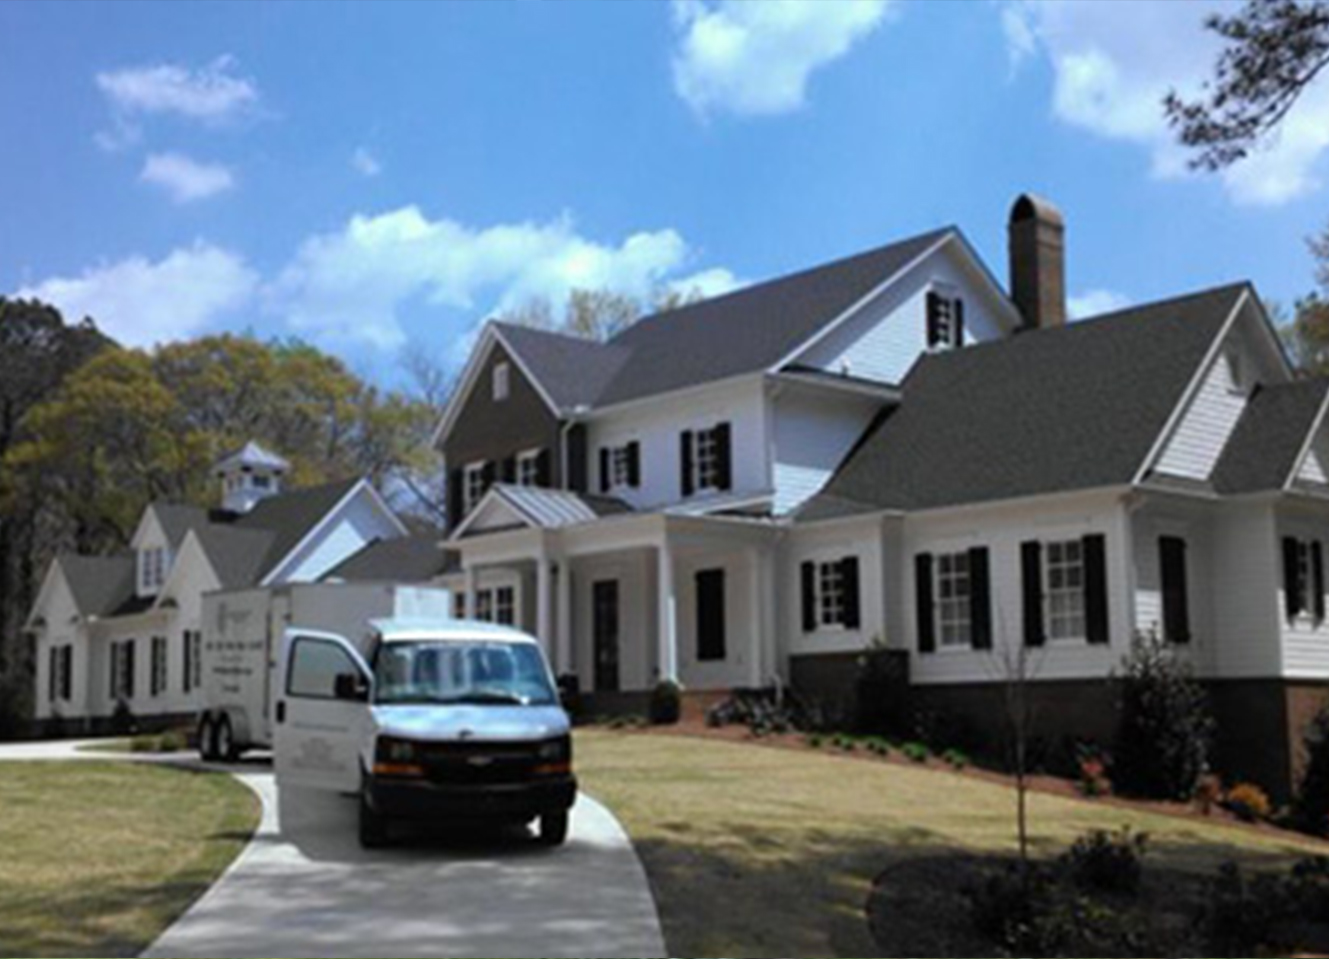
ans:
(365, 163)
(186, 179)
(350, 285)
(713, 282)
(213, 92)
(141, 302)
(756, 59)
(1095, 303)
(1112, 66)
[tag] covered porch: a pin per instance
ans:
(623, 601)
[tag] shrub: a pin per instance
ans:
(173, 741)
(815, 741)
(123, 722)
(1091, 769)
(1310, 805)
(1107, 862)
(762, 712)
(846, 743)
(916, 752)
(1248, 802)
(666, 707)
(1208, 793)
(1165, 732)
(955, 759)
(879, 746)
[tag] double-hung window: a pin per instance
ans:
(953, 603)
(122, 670)
(830, 594)
(1065, 579)
(192, 646)
(1303, 579)
(151, 569)
(157, 684)
(473, 485)
(706, 459)
(496, 604)
(528, 468)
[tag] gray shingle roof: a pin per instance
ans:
(100, 584)
(409, 559)
(746, 331)
(237, 555)
(1263, 449)
(289, 517)
(1049, 410)
(176, 520)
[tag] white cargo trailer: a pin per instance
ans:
(242, 636)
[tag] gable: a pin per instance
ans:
(149, 534)
(358, 520)
(887, 334)
(1315, 467)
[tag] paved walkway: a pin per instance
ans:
(303, 887)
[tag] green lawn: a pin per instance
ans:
(756, 851)
(98, 858)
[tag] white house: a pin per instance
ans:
(890, 448)
(126, 628)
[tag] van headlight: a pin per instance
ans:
(556, 750)
(393, 750)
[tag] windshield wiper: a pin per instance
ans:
(491, 696)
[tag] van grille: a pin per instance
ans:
(479, 763)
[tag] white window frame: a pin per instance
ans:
(528, 468)
(502, 381)
(473, 485)
(829, 594)
(952, 585)
(121, 681)
(705, 460)
(1063, 597)
(158, 671)
(497, 604)
(151, 568)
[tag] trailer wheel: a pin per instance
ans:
(207, 740)
(224, 741)
(553, 829)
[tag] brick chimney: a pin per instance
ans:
(1037, 239)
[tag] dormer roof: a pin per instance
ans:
(253, 456)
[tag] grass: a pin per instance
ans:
(99, 858)
(168, 742)
(756, 851)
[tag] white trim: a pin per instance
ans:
(490, 336)
(1188, 395)
(362, 484)
(1300, 461)
(494, 492)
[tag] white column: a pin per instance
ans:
(757, 635)
(543, 618)
(472, 585)
(668, 638)
(563, 661)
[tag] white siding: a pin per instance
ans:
(1247, 592)
(59, 612)
(1002, 529)
(636, 576)
(826, 543)
(1199, 438)
(657, 426)
(889, 334)
(814, 431)
(742, 619)
(1195, 527)
(1305, 643)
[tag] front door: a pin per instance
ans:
(319, 717)
(604, 616)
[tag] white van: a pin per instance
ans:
(438, 720)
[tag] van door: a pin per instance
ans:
(321, 712)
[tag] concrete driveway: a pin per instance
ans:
(303, 887)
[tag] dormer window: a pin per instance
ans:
(945, 320)
(502, 375)
(151, 569)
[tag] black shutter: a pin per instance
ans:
(711, 644)
(544, 473)
(456, 483)
(957, 322)
(853, 616)
(1172, 572)
(724, 460)
(577, 461)
(66, 673)
(1031, 568)
(1317, 581)
(115, 670)
(188, 659)
(128, 656)
(605, 479)
(980, 599)
(685, 462)
(927, 624)
(809, 581)
(933, 318)
(1096, 589)
(634, 464)
(53, 665)
(509, 471)
(1292, 588)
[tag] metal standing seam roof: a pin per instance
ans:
(746, 331)
(1068, 408)
(555, 509)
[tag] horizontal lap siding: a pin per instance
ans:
(1199, 438)
(1305, 643)
(1247, 591)
(813, 434)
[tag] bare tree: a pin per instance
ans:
(1015, 666)
(1274, 50)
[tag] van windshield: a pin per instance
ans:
(479, 672)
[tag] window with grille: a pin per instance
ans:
(1064, 575)
(954, 608)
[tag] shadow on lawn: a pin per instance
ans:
(748, 893)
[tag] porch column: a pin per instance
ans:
(563, 660)
(472, 587)
(668, 638)
(756, 604)
(543, 619)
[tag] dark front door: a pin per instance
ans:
(604, 615)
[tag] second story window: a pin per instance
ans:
(706, 459)
(528, 468)
(474, 485)
(945, 320)
(502, 375)
(151, 569)
(620, 467)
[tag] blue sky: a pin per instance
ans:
(379, 177)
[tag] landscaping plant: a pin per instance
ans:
(666, 706)
(1248, 802)
(1310, 806)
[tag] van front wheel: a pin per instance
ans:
(373, 828)
(554, 828)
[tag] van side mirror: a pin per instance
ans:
(351, 686)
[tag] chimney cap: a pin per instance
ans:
(1031, 206)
